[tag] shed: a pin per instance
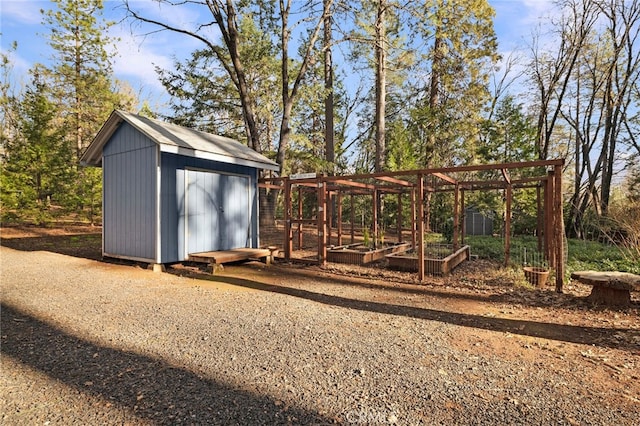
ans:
(171, 191)
(477, 223)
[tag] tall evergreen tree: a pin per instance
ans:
(81, 67)
(36, 161)
(80, 77)
(463, 50)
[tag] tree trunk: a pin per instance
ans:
(330, 154)
(381, 93)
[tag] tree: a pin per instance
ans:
(36, 161)
(204, 97)
(551, 71)
(80, 78)
(377, 42)
(81, 69)
(462, 52)
(508, 136)
(590, 88)
(329, 98)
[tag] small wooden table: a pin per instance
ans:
(609, 288)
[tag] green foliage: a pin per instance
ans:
(80, 76)
(36, 163)
(582, 255)
(366, 238)
(508, 135)
(462, 51)
(47, 127)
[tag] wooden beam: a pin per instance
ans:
(445, 177)
(413, 218)
(420, 214)
(470, 168)
(505, 175)
(395, 181)
(304, 221)
(300, 232)
(549, 220)
(507, 227)
(456, 217)
(463, 228)
(269, 186)
(288, 234)
(399, 218)
(559, 229)
(539, 217)
(374, 236)
(353, 217)
(339, 214)
(322, 223)
(355, 184)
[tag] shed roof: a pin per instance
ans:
(178, 140)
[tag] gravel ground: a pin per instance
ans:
(87, 342)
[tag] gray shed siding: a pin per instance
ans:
(129, 191)
(477, 223)
(177, 168)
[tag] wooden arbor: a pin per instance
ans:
(544, 175)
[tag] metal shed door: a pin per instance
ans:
(217, 210)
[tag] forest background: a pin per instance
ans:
(331, 86)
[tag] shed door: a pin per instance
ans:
(217, 211)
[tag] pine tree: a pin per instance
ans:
(81, 79)
(81, 68)
(36, 159)
(463, 50)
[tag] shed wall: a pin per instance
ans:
(172, 201)
(477, 223)
(129, 188)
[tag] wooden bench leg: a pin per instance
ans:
(272, 252)
(609, 296)
(215, 268)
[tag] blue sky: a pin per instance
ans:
(137, 55)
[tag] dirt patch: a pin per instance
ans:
(77, 241)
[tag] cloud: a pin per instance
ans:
(22, 11)
(135, 58)
(516, 21)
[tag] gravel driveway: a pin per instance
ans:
(87, 342)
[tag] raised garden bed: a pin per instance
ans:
(359, 254)
(434, 263)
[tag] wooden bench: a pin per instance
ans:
(217, 258)
(609, 288)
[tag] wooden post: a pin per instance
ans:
(300, 217)
(322, 223)
(288, 233)
(559, 229)
(456, 216)
(421, 272)
(507, 227)
(400, 217)
(339, 208)
(413, 217)
(374, 232)
(353, 219)
(550, 220)
(463, 219)
(329, 216)
(539, 216)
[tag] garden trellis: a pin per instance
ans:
(424, 209)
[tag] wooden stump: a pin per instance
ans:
(609, 296)
(609, 288)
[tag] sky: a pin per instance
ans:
(138, 54)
